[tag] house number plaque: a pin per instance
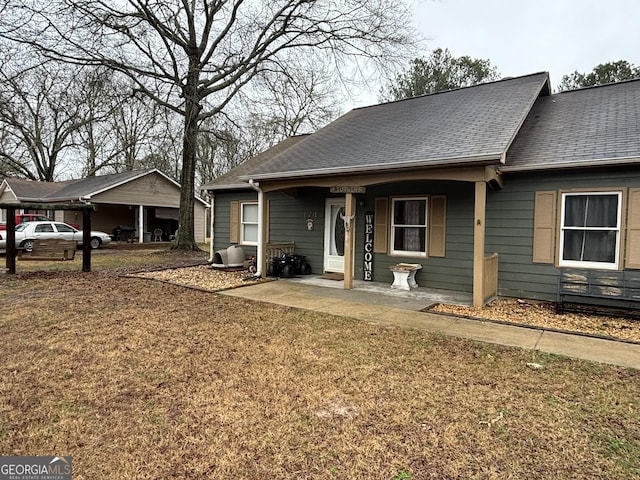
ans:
(348, 189)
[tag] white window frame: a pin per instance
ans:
(617, 229)
(409, 253)
(243, 223)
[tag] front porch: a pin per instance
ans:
(379, 293)
(448, 229)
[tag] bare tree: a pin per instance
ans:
(39, 113)
(165, 151)
(126, 125)
(301, 101)
(181, 52)
(101, 102)
(277, 107)
(223, 145)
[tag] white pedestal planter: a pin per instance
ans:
(404, 275)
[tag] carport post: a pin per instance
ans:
(86, 240)
(141, 224)
(11, 250)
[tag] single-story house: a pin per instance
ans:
(502, 181)
(134, 203)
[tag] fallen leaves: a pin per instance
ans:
(542, 314)
(202, 277)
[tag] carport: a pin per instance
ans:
(12, 251)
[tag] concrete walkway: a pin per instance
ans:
(377, 308)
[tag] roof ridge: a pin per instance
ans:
(431, 94)
(601, 85)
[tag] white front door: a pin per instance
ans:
(334, 236)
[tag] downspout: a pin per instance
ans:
(211, 223)
(260, 252)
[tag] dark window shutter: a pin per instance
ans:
(544, 227)
(437, 225)
(633, 229)
(234, 223)
(381, 225)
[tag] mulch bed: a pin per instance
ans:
(543, 315)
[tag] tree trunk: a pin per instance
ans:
(186, 235)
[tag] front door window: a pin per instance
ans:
(337, 245)
(334, 234)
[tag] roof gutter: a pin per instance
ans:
(260, 250)
(442, 162)
(54, 200)
(231, 186)
(595, 163)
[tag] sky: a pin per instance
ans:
(526, 36)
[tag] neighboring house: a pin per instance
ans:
(140, 201)
(448, 179)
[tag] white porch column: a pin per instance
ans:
(211, 225)
(478, 242)
(262, 235)
(141, 224)
(349, 236)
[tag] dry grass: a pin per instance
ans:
(120, 257)
(140, 379)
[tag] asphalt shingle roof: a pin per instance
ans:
(586, 127)
(455, 127)
(71, 190)
(29, 189)
(92, 185)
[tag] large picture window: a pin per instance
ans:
(409, 226)
(249, 223)
(590, 229)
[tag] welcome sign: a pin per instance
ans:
(368, 247)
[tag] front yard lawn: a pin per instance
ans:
(141, 379)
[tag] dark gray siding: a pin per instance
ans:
(288, 215)
(510, 225)
(222, 206)
(288, 222)
(455, 270)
